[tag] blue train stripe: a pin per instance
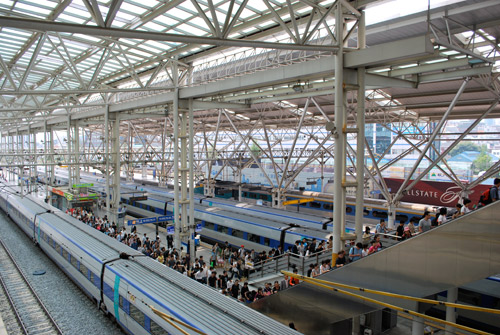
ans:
(117, 298)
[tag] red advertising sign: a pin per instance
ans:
(436, 193)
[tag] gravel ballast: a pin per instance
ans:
(73, 311)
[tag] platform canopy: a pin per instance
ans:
(256, 60)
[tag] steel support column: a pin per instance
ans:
(451, 315)
(192, 223)
(69, 152)
(340, 141)
(106, 155)
(360, 156)
(52, 169)
(115, 156)
(76, 153)
(177, 223)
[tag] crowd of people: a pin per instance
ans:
(228, 269)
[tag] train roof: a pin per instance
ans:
(203, 306)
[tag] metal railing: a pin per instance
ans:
(287, 261)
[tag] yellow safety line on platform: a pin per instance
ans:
(397, 308)
(171, 321)
(297, 201)
(394, 295)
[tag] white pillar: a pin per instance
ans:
(451, 315)
(417, 326)
(360, 140)
(177, 223)
(338, 211)
(192, 223)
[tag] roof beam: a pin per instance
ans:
(387, 53)
(39, 25)
(113, 9)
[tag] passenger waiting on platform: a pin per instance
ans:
(268, 290)
(212, 280)
(244, 290)
(400, 229)
(380, 228)
(223, 280)
(411, 225)
(276, 287)
(309, 271)
(425, 223)
(315, 271)
(235, 289)
(294, 281)
(458, 211)
(325, 267)
(284, 283)
(295, 248)
(341, 260)
(467, 207)
(355, 252)
(441, 219)
(374, 247)
(367, 235)
(250, 296)
(406, 234)
(364, 253)
(260, 294)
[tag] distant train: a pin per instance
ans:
(125, 284)
(322, 203)
(255, 227)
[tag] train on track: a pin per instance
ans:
(124, 283)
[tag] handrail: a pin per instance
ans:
(397, 308)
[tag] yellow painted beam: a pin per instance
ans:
(297, 201)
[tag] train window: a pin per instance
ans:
(315, 204)
(267, 241)
(263, 197)
(237, 233)
(253, 196)
(120, 302)
(91, 277)
(400, 218)
(254, 238)
(137, 315)
(382, 215)
(65, 254)
(83, 269)
(366, 212)
(57, 247)
(157, 330)
(222, 229)
(348, 210)
(209, 225)
(328, 207)
(74, 261)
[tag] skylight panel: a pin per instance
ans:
(247, 13)
(70, 19)
(146, 3)
(158, 45)
(190, 30)
(132, 8)
(178, 13)
(189, 7)
(8, 3)
(88, 37)
(154, 26)
(125, 16)
(78, 12)
(33, 9)
(149, 48)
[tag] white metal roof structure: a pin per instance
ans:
(181, 84)
(249, 72)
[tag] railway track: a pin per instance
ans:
(31, 314)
